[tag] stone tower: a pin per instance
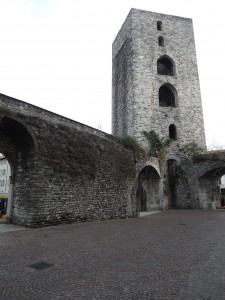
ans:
(155, 82)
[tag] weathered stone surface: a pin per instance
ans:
(197, 184)
(136, 82)
(63, 171)
(156, 87)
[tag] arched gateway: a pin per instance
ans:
(63, 171)
(18, 147)
(209, 194)
(149, 195)
(198, 184)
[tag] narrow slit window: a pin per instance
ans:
(159, 25)
(173, 132)
(161, 41)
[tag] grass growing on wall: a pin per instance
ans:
(129, 142)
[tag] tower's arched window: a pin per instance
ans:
(161, 41)
(159, 25)
(173, 132)
(167, 95)
(165, 65)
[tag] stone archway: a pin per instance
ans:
(18, 147)
(149, 190)
(209, 195)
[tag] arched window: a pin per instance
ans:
(167, 95)
(159, 25)
(161, 41)
(173, 132)
(165, 66)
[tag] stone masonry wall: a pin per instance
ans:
(122, 81)
(179, 45)
(122, 78)
(63, 171)
(197, 184)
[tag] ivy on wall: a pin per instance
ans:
(156, 144)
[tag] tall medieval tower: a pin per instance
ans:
(155, 79)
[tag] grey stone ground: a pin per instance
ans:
(171, 255)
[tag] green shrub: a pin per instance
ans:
(156, 143)
(193, 149)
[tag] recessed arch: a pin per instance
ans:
(173, 132)
(19, 131)
(209, 194)
(148, 193)
(18, 142)
(167, 95)
(165, 65)
(19, 146)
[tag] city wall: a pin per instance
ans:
(63, 171)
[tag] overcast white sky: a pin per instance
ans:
(56, 54)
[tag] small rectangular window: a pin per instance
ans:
(159, 25)
(161, 41)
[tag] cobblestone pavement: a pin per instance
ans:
(176, 254)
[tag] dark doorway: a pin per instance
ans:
(148, 193)
(171, 171)
(18, 147)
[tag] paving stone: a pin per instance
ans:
(144, 258)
